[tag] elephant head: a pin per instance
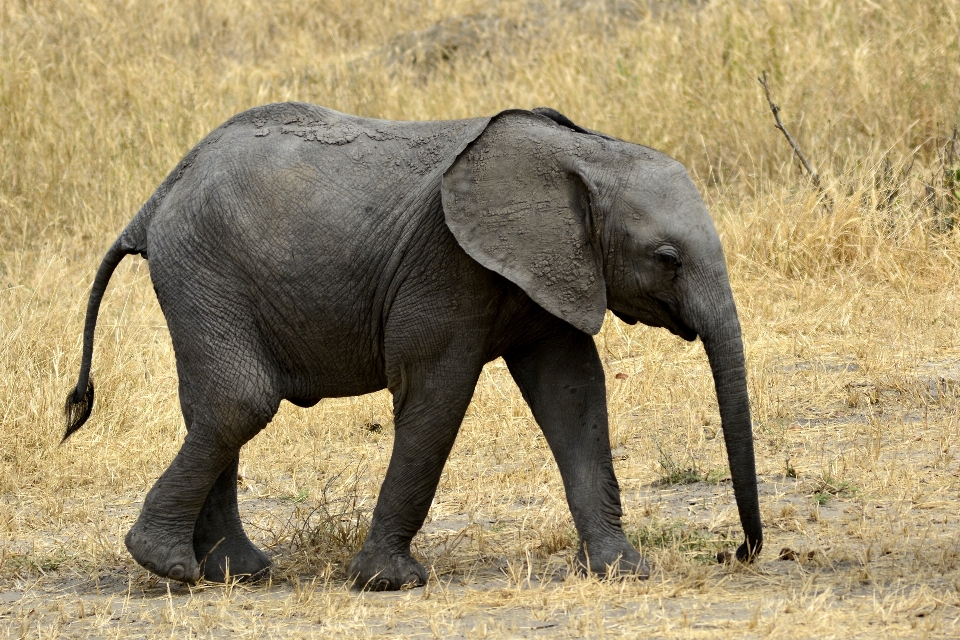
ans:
(584, 223)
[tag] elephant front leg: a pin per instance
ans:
(563, 382)
(428, 410)
(219, 542)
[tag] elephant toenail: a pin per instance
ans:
(177, 572)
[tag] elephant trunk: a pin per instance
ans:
(719, 328)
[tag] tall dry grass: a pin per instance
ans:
(848, 300)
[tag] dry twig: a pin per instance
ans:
(775, 108)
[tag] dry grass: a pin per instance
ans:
(849, 304)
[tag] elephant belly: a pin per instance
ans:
(324, 353)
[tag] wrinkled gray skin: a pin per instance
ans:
(300, 254)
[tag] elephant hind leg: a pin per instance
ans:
(219, 542)
(161, 540)
(190, 515)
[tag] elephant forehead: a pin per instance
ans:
(662, 190)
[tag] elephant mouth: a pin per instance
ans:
(666, 320)
(675, 325)
(682, 330)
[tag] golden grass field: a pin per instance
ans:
(849, 298)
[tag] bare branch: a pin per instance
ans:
(775, 108)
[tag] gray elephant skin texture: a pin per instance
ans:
(300, 254)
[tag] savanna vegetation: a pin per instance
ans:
(848, 293)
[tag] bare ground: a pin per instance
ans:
(832, 549)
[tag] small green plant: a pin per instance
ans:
(789, 470)
(716, 476)
(679, 475)
(829, 486)
(31, 564)
(300, 497)
(674, 471)
(679, 535)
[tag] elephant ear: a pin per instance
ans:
(518, 202)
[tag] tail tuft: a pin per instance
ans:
(77, 409)
(80, 402)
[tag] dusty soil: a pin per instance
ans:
(831, 548)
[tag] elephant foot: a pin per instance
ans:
(375, 571)
(234, 558)
(219, 542)
(153, 550)
(620, 561)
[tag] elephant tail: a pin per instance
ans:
(80, 401)
(133, 240)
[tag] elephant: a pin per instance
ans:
(299, 253)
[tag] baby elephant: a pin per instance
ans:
(299, 254)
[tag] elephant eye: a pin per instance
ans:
(668, 257)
